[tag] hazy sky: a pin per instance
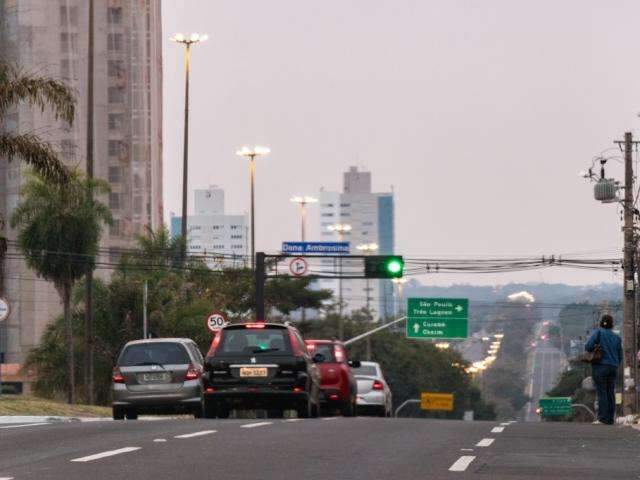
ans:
(479, 114)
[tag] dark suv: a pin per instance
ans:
(260, 366)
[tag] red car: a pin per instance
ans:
(338, 386)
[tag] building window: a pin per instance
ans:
(114, 42)
(367, 223)
(137, 204)
(218, 247)
(235, 227)
(114, 201)
(345, 205)
(217, 227)
(116, 147)
(115, 68)
(327, 205)
(116, 95)
(344, 214)
(114, 14)
(116, 121)
(236, 236)
(69, 42)
(114, 228)
(195, 227)
(115, 174)
(68, 15)
(327, 215)
(236, 247)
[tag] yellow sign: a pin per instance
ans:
(436, 401)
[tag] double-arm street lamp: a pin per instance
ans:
(187, 41)
(340, 229)
(251, 154)
(302, 202)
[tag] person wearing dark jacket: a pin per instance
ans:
(605, 372)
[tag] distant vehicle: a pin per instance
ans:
(338, 387)
(260, 366)
(374, 395)
(160, 375)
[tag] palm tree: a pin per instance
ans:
(59, 235)
(41, 92)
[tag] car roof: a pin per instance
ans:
(266, 325)
(159, 340)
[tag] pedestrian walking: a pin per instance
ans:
(605, 370)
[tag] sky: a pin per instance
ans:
(479, 114)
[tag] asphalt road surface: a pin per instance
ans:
(547, 364)
(331, 448)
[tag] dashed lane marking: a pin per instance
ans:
(159, 440)
(291, 420)
(26, 425)
(109, 453)
(6, 478)
(196, 434)
(497, 429)
(466, 449)
(329, 418)
(462, 463)
(485, 442)
(505, 424)
(254, 425)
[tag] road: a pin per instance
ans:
(547, 363)
(336, 448)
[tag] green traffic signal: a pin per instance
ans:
(383, 266)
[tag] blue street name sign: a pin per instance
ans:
(317, 248)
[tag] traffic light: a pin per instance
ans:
(383, 266)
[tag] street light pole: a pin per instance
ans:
(302, 202)
(251, 154)
(187, 42)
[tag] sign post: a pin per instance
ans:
(555, 406)
(5, 310)
(436, 401)
(429, 318)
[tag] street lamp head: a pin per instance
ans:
(190, 39)
(368, 247)
(256, 151)
(339, 227)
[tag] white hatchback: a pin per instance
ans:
(374, 395)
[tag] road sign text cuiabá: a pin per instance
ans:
(437, 318)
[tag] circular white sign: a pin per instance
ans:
(216, 321)
(298, 266)
(4, 309)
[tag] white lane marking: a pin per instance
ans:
(466, 449)
(462, 463)
(6, 478)
(26, 425)
(485, 442)
(329, 418)
(109, 453)
(196, 434)
(254, 425)
(158, 440)
(291, 420)
(505, 424)
(497, 429)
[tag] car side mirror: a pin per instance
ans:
(318, 358)
(354, 363)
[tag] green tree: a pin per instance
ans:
(59, 234)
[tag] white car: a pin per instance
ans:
(374, 395)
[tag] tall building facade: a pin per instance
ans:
(371, 218)
(51, 38)
(222, 239)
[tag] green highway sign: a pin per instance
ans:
(555, 406)
(437, 318)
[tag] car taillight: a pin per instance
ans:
(117, 376)
(254, 325)
(193, 373)
(377, 385)
(298, 389)
(214, 344)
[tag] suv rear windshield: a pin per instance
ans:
(326, 349)
(366, 370)
(250, 341)
(165, 353)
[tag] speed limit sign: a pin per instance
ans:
(216, 321)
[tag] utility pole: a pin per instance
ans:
(88, 303)
(629, 321)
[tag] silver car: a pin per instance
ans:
(161, 375)
(374, 395)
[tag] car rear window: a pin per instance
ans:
(250, 341)
(366, 370)
(165, 353)
(326, 349)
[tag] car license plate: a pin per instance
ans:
(253, 371)
(155, 377)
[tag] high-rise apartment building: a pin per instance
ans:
(222, 239)
(371, 218)
(51, 38)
